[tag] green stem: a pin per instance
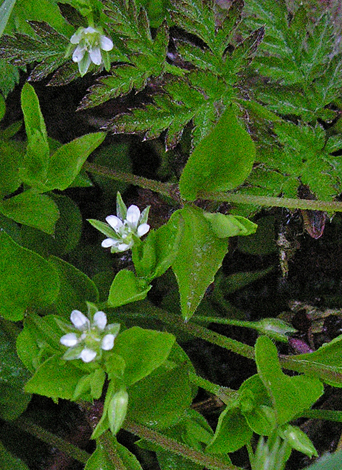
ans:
(54, 441)
(305, 204)
(176, 447)
(203, 333)
(228, 321)
(225, 394)
(106, 440)
(166, 189)
(172, 191)
(329, 415)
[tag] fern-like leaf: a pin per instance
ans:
(48, 48)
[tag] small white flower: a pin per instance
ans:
(124, 228)
(88, 338)
(92, 46)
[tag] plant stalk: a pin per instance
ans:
(167, 443)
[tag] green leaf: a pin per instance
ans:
(9, 77)
(36, 161)
(5, 12)
(143, 351)
(127, 288)
(67, 231)
(67, 161)
(328, 462)
(13, 376)
(157, 252)
(32, 209)
(170, 393)
(221, 161)
(38, 340)
(55, 378)
(199, 257)
(9, 461)
(10, 160)
(290, 395)
(47, 47)
(27, 280)
(232, 432)
(76, 288)
(101, 459)
(325, 363)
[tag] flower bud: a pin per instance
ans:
(117, 410)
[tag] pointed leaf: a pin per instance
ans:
(67, 161)
(199, 257)
(221, 161)
(290, 395)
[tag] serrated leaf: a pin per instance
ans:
(123, 79)
(221, 161)
(200, 256)
(49, 45)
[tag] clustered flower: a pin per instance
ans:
(88, 338)
(92, 46)
(123, 229)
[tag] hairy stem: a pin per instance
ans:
(172, 191)
(54, 441)
(210, 462)
(166, 189)
(305, 204)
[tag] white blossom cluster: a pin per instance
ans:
(88, 338)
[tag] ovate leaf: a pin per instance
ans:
(26, 279)
(290, 395)
(200, 255)
(221, 161)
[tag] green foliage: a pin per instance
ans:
(256, 94)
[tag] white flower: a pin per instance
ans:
(123, 229)
(92, 46)
(88, 338)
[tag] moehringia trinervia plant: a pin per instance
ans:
(90, 45)
(88, 338)
(123, 229)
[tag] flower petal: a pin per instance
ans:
(107, 242)
(95, 55)
(114, 222)
(133, 215)
(108, 342)
(80, 321)
(75, 38)
(78, 54)
(90, 30)
(106, 43)
(123, 247)
(87, 355)
(69, 340)
(143, 229)
(100, 320)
